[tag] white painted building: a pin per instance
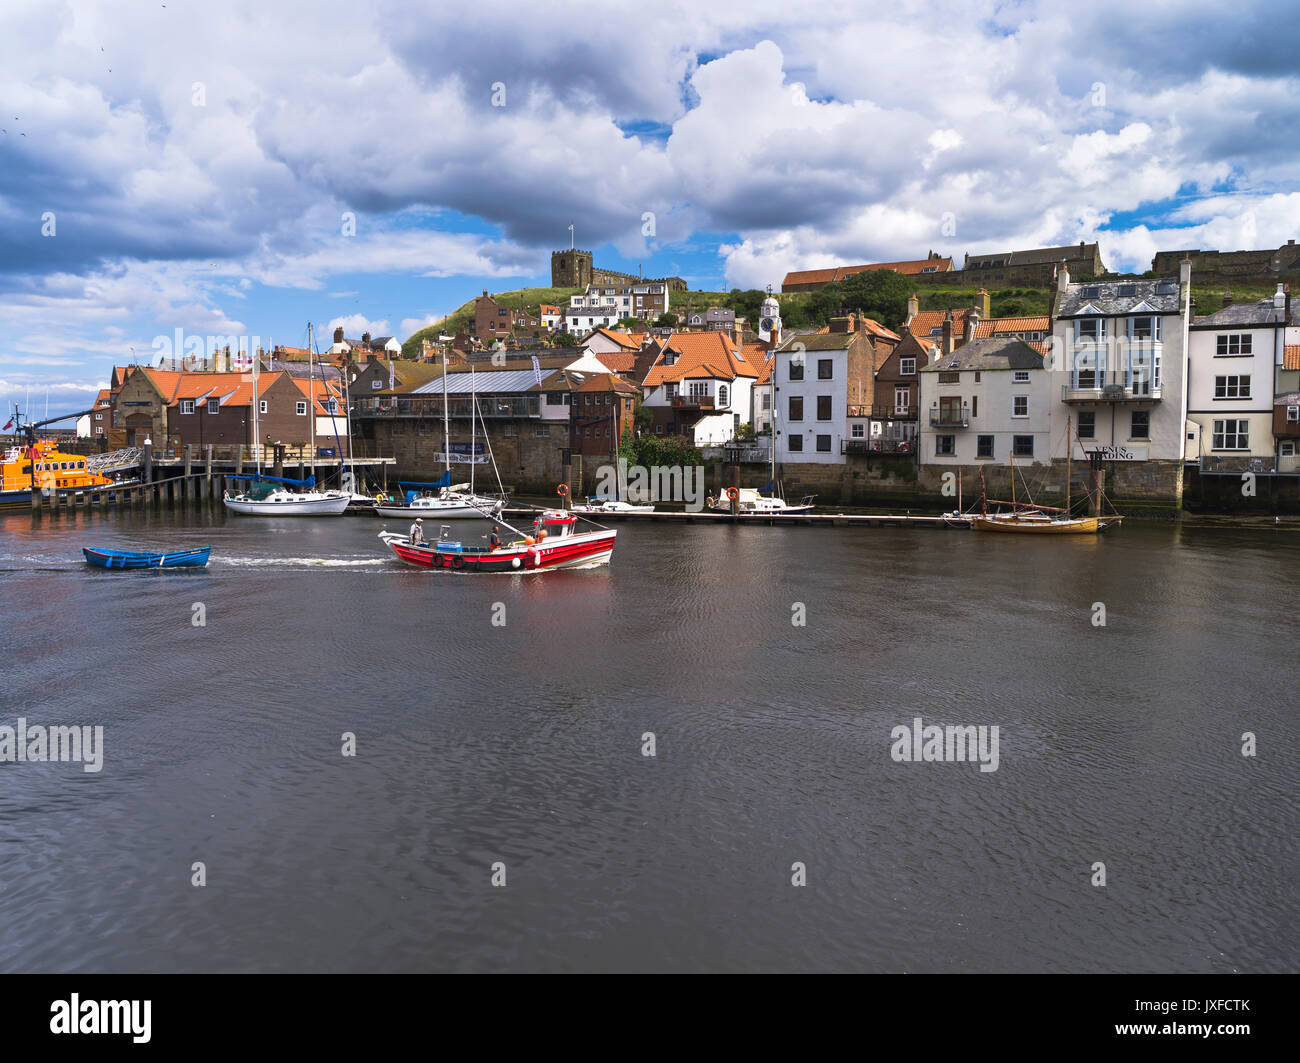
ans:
(700, 386)
(1119, 368)
(811, 397)
(986, 403)
(1233, 358)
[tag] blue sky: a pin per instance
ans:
(193, 166)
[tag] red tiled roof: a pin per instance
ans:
(617, 361)
(1291, 356)
(923, 323)
(627, 340)
(700, 354)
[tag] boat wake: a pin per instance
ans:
(299, 562)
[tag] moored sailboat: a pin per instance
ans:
(1032, 519)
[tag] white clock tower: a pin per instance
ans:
(769, 319)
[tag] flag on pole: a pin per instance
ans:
(10, 423)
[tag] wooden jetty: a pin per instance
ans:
(185, 479)
(827, 520)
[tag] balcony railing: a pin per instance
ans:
(693, 402)
(950, 418)
(1116, 385)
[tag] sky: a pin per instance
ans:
(244, 168)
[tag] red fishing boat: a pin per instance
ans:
(555, 542)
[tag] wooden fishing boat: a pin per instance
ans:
(1037, 523)
(108, 558)
(554, 543)
(1028, 518)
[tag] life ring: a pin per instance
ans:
(437, 560)
(457, 561)
(902, 448)
(733, 493)
(562, 490)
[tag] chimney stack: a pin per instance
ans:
(972, 319)
(913, 307)
(1227, 298)
(365, 338)
(338, 334)
(947, 333)
(1279, 297)
(984, 304)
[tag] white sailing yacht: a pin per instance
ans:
(453, 501)
(269, 496)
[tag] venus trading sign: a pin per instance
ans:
(1112, 453)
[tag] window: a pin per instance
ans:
(1022, 446)
(722, 394)
(1232, 387)
(794, 443)
(99, 417)
(670, 391)
(586, 400)
(949, 378)
(1090, 330)
(984, 447)
(823, 407)
(1233, 345)
(902, 399)
(823, 444)
(796, 367)
(214, 406)
(945, 445)
(974, 405)
(1140, 425)
(796, 408)
(1144, 328)
(1293, 413)
(1020, 376)
(1232, 435)
(1085, 370)
(1019, 405)
(1087, 424)
(857, 431)
(301, 409)
(824, 368)
(1288, 449)
(699, 389)
(510, 431)
(907, 367)
(187, 405)
(767, 400)
(261, 406)
(659, 429)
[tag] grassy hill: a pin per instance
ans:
(1006, 302)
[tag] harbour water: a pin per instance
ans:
(482, 744)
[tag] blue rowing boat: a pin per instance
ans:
(126, 559)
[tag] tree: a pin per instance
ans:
(564, 339)
(881, 294)
(666, 320)
(631, 324)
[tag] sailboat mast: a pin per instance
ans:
(257, 434)
(446, 422)
(473, 415)
(1069, 455)
(1012, 455)
(311, 403)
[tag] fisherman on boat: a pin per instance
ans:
(417, 532)
(494, 541)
